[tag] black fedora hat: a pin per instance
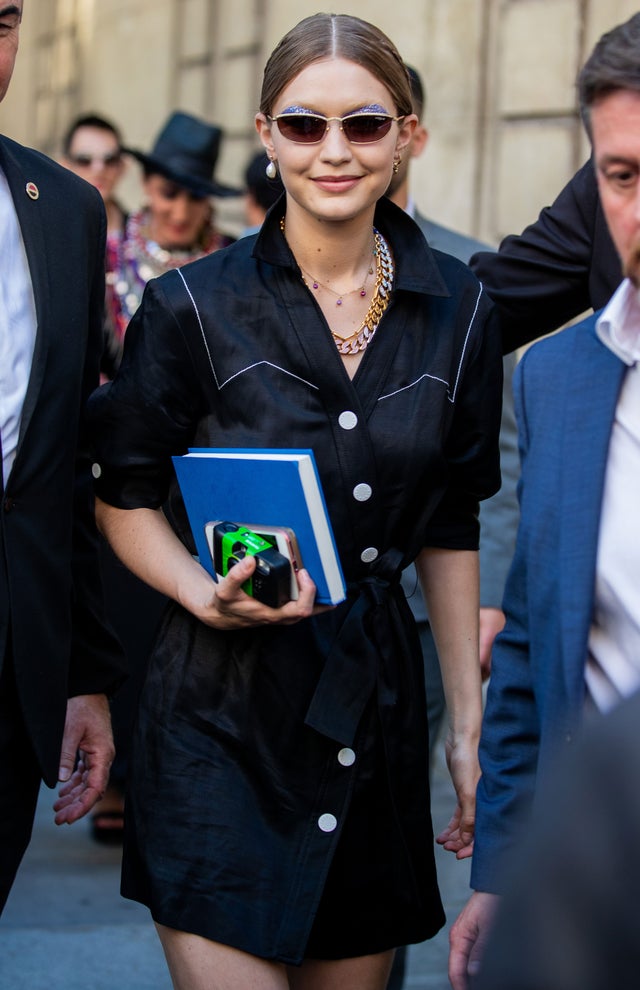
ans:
(186, 151)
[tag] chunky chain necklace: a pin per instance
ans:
(357, 341)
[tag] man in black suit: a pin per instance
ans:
(58, 662)
(559, 267)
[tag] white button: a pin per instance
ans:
(347, 419)
(327, 823)
(362, 492)
(96, 470)
(346, 757)
(368, 555)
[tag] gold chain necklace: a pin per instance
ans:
(363, 335)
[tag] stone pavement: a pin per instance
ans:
(65, 926)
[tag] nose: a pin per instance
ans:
(181, 206)
(335, 145)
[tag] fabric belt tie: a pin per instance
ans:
(369, 639)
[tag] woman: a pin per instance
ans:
(278, 819)
(176, 224)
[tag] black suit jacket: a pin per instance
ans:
(558, 268)
(50, 592)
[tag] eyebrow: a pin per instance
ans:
(614, 159)
(9, 11)
(368, 108)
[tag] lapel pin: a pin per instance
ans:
(32, 190)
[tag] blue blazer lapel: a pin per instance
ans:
(594, 379)
(30, 217)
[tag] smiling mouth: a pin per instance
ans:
(336, 180)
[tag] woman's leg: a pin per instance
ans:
(361, 973)
(197, 963)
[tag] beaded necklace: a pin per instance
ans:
(357, 341)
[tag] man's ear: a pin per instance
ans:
(419, 143)
(405, 133)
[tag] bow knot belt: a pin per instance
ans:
(377, 627)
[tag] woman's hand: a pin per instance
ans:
(462, 760)
(226, 606)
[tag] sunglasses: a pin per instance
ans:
(310, 128)
(108, 161)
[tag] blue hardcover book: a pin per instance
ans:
(262, 490)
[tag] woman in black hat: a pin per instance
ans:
(175, 226)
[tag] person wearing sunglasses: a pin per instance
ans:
(277, 819)
(92, 148)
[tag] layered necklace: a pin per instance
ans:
(362, 336)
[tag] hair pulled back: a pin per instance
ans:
(323, 36)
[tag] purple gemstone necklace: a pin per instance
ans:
(315, 283)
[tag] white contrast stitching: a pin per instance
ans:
(452, 396)
(269, 365)
(466, 341)
(404, 388)
(204, 339)
(242, 370)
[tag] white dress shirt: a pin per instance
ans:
(613, 665)
(17, 326)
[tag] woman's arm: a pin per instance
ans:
(146, 544)
(450, 584)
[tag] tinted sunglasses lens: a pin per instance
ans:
(366, 127)
(302, 127)
(85, 161)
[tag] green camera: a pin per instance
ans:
(270, 583)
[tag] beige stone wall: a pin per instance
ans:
(504, 133)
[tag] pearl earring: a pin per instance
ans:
(271, 169)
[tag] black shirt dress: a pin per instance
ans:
(279, 798)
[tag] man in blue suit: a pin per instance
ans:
(571, 645)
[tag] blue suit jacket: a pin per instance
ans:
(566, 388)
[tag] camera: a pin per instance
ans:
(270, 583)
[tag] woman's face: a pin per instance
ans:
(95, 155)
(177, 216)
(335, 179)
